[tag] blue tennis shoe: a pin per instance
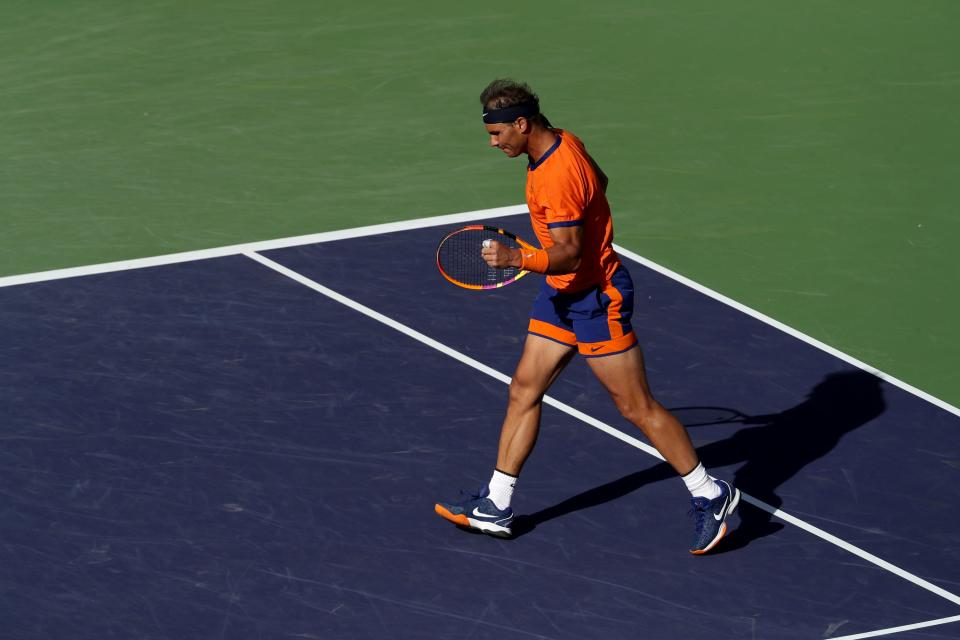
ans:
(477, 511)
(711, 517)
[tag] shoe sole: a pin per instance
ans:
(462, 520)
(723, 527)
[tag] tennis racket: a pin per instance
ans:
(459, 260)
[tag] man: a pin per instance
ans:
(584, 305)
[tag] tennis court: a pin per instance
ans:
(250, 445)
(233, 384)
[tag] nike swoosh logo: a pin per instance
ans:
(719, 516)
(481, 514)
(595, 349)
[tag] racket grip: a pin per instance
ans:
(486, 243)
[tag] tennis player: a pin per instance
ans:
(584, 306)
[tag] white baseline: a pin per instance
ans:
(891, 630)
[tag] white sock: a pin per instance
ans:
(700, 484)
(501, 488)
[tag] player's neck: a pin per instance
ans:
(541, 139)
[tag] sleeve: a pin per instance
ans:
(567, 195)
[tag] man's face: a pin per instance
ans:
(508, 138)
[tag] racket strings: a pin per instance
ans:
(459, 257)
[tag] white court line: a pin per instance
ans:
(479, 366)
(696, 286)
(265, 245)
(455, 218)
(906, 627)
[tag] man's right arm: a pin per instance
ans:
(563, 256)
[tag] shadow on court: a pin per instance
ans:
(772, 452)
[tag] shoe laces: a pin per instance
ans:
(473, 495)
(698, 509)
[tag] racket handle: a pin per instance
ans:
(486, 243)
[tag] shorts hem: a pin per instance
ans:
(612, 353)
(614, 346)
(540, 335)
(552, 331)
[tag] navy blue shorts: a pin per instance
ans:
(595, 320)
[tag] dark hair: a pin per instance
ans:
(504, 92)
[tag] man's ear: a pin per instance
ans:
(522, 124)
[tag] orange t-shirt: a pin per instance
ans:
(564, 190)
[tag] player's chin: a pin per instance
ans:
(511, 153)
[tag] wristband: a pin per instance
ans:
(535, 260)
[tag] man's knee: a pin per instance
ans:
(637, 409)
(524, 390)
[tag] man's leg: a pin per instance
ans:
(540, 364)
(625, 379)
(489, 510)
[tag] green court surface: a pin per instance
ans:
(797, 157)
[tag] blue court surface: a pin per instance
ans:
(213, 449)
